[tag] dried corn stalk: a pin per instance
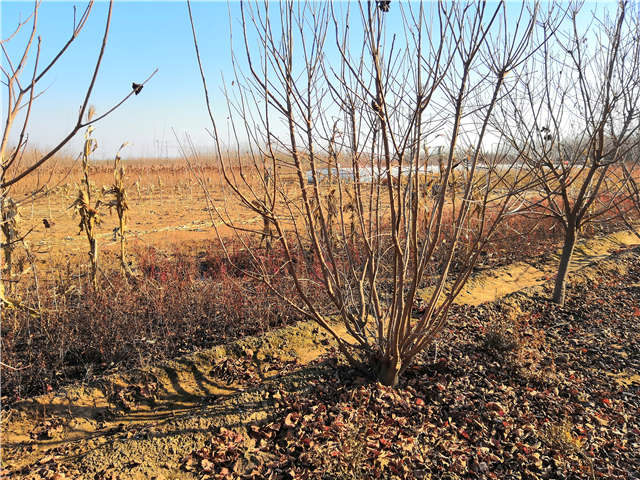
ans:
(89, 215)
(10, 234)
(89, 219)
(118, 201)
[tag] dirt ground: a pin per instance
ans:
(159, 216)
(148, 423)
(168, 209)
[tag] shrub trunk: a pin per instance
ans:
(389, 371)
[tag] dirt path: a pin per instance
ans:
(493, 284)
(141, 424)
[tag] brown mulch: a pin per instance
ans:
(519, 389)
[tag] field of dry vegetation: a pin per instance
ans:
(185, 294)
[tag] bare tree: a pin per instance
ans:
(573, 120)
(628, 173)
(22, 90)
(338, 109)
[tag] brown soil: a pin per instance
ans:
(498, 282)
(141, 424)
(158, 217)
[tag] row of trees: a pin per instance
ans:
(539, 102)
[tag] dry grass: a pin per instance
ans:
(181, 301)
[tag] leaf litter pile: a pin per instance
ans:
(519, 389)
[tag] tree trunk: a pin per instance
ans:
(389, 372)
(3, 240)
(9, 268)
(9, 212)
(1, 288)
(560, 287)
(123, 262)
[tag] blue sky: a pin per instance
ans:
(143, 36)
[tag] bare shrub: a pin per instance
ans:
(312, 102)
(181, 302)
(118, 201)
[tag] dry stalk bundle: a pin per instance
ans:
(11, 237)
(118, 202)
(266, 235)
(89, 215)
(89, 219)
